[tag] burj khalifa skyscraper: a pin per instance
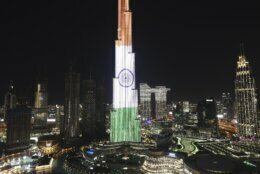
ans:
(125, 125)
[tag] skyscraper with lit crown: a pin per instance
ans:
(125, 125)
(245, 98)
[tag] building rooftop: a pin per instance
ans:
(208, 163)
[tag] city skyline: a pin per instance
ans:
(127, 86)
(180, 47)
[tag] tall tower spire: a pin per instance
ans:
(124, 35)
(242, 55)
(124, 123)
(11, 86)
(242, 49)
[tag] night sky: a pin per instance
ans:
(189, 46)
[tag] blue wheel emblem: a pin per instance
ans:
(126, 78)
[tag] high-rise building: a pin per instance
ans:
(201, 113)
(18, 128)
(41, 95)
(59, 116)
(89, 108)
(2, 113)
(93, 115)
(51, 119)
(41, 104)
(55, 112)
(153, 101)
(70, 121)
(207, 115)
(228, 106)
(145, 107)
(100, 110)
(10, 99)
(161, 101)
(245, 98)
(220, 108)
(125, 124)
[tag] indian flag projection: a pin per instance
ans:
(125, 126)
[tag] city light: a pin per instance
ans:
(78, 99)
(220, 116)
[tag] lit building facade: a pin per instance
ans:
(41, 96)
(220, 108)
(59, 116)
(3, 128)
(245, 99)
(70, 121)
(161, 163)
(49, 144)
(55, 114)
(125, 126)
(41, 104)
(161, 101)
(228, 106)
(186, 106)
(148, 110)
(145, 101)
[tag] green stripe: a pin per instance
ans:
(124, 125)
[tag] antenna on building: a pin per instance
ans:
(72, 64)
(242, 49)
(90, 72)
(11, 85)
